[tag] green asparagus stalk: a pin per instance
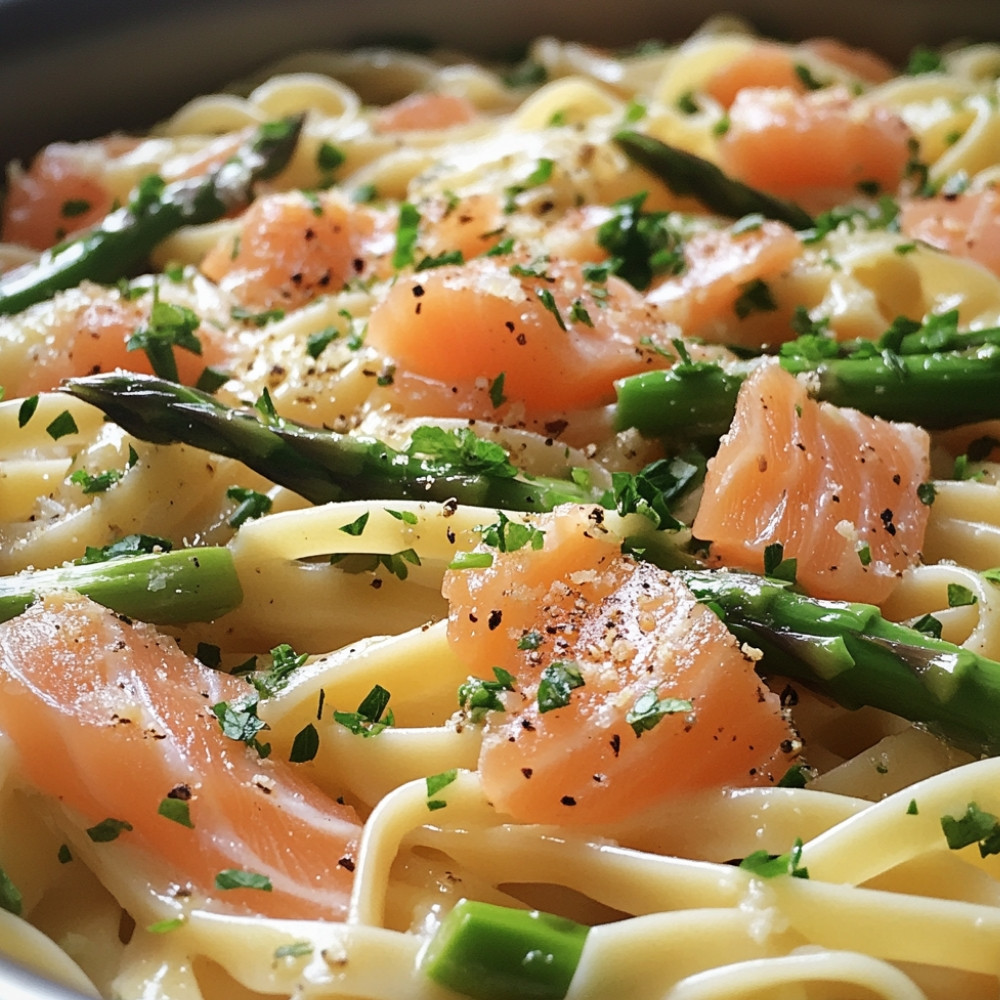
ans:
(185, 585)
(317, 464)
(123, 240)
(935, 389)
(852, 654)
(687, 174)
(494, 953)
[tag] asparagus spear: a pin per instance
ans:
(849, 652)
(493, 952)
(687, 174)
(317, 464)
(123, 240)
(185, 585)
(936, 389)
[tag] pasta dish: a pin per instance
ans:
(510, 531)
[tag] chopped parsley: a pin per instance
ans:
(460, 446)
(329, 157)
(242, 724)
(510, 536)
(440, 260)
(641, 244)
(305, 746)
(558, 679)
(926, 493)
(765, 865)
(169, 326)
(62, 425)
(406, 516)
(108, 830)
(26, 410)
(530, 640)
(434, 785)
(407, 230)
(960, 597)
(929, 625)
(865, 555)
(776, 565)
(686, 103)
(924, 60)
(372, 716)
(176, 809)
(237, 878)
(477, 696)
(497, 398)
(805, 75)
(797, 776)
(64, 856)
(755, 296)
(975, 827)
(72, 208)
(547, 299)
(911, 809)
(540, 175)
(357, 526)
(649, 710)
(165, 926)
(10, 896)
(471, 560)
(317, 342)
(651, 490)
(297, 949)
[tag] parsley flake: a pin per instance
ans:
(108, 830)
(368, 719)
(169, 326)
(237, 878)
(649, 710)
(357, 526)
(497, 398)
(960, 597)
(177, 810)
(62, 425)
(26, 410)
(305, 746)
(298, 949)
(477, 696)
(558, 679)
(406, 235)
(975, 827)
(764, 865)
(755, 296)
(10, 896)
(510, 536)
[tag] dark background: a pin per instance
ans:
(73, 69)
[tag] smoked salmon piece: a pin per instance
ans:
(112, 720)
(817, 149)
(559, 340)
(418, 112)
(56, 197)
(837, 489)
(633, 637)
(86, 330)
(292, 248)
(965, 225)
(713, 298)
